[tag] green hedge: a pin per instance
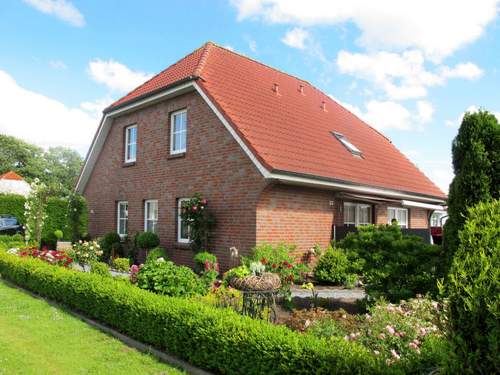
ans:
(72, 222)
(215, 339)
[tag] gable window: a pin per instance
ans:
(182, 229)
(151, 216)
(122, 219)
(345, 142)
(398, 214)
(178, 132)
(130, 143)
(357, 214)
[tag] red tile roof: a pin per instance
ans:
(290, 130)
(11, 176)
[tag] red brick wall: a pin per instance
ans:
(213, 165)
(295, 215)
(418, 217)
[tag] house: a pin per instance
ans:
(277, 159)
(12, 183)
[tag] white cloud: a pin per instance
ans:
(61, 9)
(252, 44)
(45, 121)
(58, 65)
(115, 75)
(383, 115)
(436, 27)
(401, 76)
(296, 38)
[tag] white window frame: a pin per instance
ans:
(146, 218)
(173, 132)
(129, 159)
(396, 210)
(357, 215)
(119, 219)
(179, 222)
(347, 144)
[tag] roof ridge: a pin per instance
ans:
(156, 75)
(203, 58)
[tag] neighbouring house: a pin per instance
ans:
(12, 183)
(277, 159)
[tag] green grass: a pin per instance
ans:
(38, 338)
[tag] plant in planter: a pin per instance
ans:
(58, 234)
(86, 252)
(146, 241)
(111, 246)
(195, 214)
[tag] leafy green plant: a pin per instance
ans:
(34, 211)
(350, 280)
(474, 292)
(204, 260)
(121, 264)
(394, 266)
(196, 215)
(58, 234)
(332, 266)
(164, 277)
(218, 340)
(100, 268)
(239, 272)
(156, 253)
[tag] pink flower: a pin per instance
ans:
(390, 329)
(204, 202)
(395, 354)
(134, 268)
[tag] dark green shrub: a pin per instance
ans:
(121, 264)
(394, 266)
(77, 218)
(111, 246)
(474, 292)
(100, 268)
(157, 252)
(332, 266)
(147, 240)
(476, 155)
(164, 277)
(218, 340)
(12, 204)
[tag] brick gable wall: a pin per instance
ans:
(213, 165)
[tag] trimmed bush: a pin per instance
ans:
(100, 269)
(217, 340)
(157, 252)
(12, 204)
(110, 245)
(8, 242)
(332, 266)
(474, 292)
(121, 264)
(147, 240)
(394, 266)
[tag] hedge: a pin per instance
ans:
(59, 216)
(215, 339)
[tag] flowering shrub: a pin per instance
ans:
(85, 252)
(134, 270)
(195, 215)
(207, 267)
(58, 258)
(34, 211)
(392, 332)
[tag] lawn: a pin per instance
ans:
(37, 338)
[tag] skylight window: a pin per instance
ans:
(352, 149)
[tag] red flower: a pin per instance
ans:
(263, 261)
(274, 265)
(289, 265)
(203, 202)
(194, 208)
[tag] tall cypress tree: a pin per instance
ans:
(476, 163)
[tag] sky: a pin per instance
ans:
(408, 68)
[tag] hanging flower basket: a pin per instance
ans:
(266, 282)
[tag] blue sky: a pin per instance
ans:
(410, 68)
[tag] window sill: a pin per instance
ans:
(176, 156)
(183, 245)
(128, 164)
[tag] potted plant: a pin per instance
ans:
(61, 245)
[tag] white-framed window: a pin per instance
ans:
(178, 132)
(151, 216)
(347, 144)
(130, 143)
(357, 214)
(400, 214)
(122, 218)
(438, 218)
(182, 229)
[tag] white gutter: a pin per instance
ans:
(422, 205)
